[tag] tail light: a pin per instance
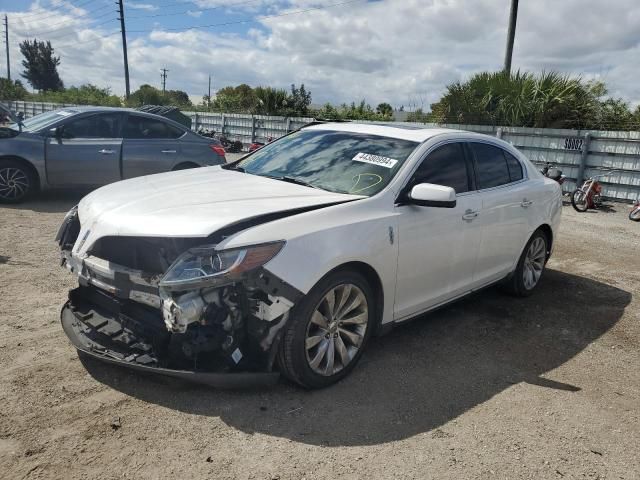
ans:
(218, 149)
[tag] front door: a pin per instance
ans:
(86, 151)
(438, 246)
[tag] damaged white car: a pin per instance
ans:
(288, 260)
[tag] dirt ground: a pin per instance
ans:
(491, 387)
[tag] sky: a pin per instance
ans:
(403, 52)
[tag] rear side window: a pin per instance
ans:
(104, 125)
(150, 128)
(491, 166)
(446, 166)
(515, 167)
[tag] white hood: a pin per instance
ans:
(189, 203)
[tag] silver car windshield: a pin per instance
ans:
(43, 120)
(344, 162)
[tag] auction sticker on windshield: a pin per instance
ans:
(375, 160)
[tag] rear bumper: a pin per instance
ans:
(106, 337)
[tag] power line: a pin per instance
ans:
(252, 20)
(71, 19)
(62, 29)
(171, 14)
(48, 12)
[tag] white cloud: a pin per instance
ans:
(141, 6)
(401, 51)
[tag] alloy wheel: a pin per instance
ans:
(534, 263)
(14, 183)
(336, 329)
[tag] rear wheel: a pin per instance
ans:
(634, 215)
(579, 200)
(17, 181)
(530, 266)
(328, 331)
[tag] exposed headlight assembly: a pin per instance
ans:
(205, 265)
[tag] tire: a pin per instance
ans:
(528, 273)
(309, 333)
(579, 200)
(634, 215)
(17, 182)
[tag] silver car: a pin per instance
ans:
(92, 146)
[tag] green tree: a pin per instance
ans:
(270, 101)
(12, 90)
(41, 66)
(240, 99)
(299, 101)
(83, 95)
(384, 109)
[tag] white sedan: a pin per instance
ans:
(288, 260)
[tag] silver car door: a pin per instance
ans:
(150, 145)
(85, 150)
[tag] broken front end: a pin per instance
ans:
(175, 306)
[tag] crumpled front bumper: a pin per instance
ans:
(106, 336)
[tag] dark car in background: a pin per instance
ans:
(93, 146)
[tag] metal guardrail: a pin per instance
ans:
(578, 153)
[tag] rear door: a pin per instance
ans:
(151, 145)
(437, 246)
(505, 210)
(86, 151)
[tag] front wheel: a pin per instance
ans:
(579, 200)
(328, 330)
(634, 215)
(16, 182)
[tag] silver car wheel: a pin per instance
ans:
(534, 263)
(14, 183)
(336, 329)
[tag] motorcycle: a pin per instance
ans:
(588, 196)
(553, 173)
(634, 215)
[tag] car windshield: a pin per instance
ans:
(344, 162)
(43, 120)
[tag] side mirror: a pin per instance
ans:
(430, 195)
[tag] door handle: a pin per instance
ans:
(168, 151)
(470, 214)
(526, 203)
(104, 151)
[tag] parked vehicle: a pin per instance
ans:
(256, 145)
(289, 259)
(92, 146)
(588, 196)
(634, 214)
(553, 173)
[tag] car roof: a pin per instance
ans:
(415, 133)
(89, 109)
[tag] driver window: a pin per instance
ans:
(446, 166)
(93, 126)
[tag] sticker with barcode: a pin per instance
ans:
(375, 160)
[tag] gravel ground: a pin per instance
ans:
(491, 387)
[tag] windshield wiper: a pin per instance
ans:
(234, 167)
(297, 181)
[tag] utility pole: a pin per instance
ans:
(163, 76)
(124, 48)
(511, 35)
(6, 41)
(209, 97)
